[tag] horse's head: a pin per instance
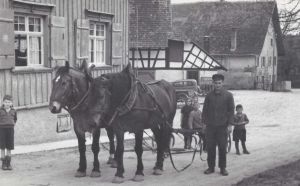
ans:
(61, 89)
(68, 84)
(106, 94)
(99, 99)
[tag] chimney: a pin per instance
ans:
(233, 42)
(206, 43)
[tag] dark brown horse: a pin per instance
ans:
(124, 103)
(70, 89)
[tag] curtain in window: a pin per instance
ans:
(99, 51)
(35, 50)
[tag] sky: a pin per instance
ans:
(281, 3)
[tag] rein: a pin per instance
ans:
(81, 100)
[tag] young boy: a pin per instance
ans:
(185, 112)
(239, 132)
(195, 122)
(8, 118)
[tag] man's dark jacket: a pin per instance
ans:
(218, 108)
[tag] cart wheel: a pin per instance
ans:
(171, 145)
(172, 141)
(200, 145)
(228, 143)
(153, 143)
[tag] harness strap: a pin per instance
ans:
(75, 89)
(116, 113)
(81, 100)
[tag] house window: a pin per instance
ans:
(271, 42)
(263, 61)
(28, 40)
(97, 43)
(275, 61)
(257, 62)
(233, 39)
(269, 61)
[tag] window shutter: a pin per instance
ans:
(82, 40)
(58, 40)
(117, 44)
(7, 52)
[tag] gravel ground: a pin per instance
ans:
(272, 138)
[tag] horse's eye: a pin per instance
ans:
(63, 83)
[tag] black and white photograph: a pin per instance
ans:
(149, 92)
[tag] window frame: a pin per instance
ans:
(94, 37)
(29, 34)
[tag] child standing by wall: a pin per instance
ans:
(239, 131)
(8, 118)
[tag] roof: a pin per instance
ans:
(149, 23)
(218, 20)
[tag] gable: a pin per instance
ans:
(219, 19)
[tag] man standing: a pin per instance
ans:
(217, 114)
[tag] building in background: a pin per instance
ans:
(245, 37)
(37, 35)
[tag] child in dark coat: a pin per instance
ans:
(8, 118)
(239, 132)
(185, 113)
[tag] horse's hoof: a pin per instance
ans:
(157, 172)
(118, 179)
(79, 174)
(138, 178)
(95, 174)
(114, 164)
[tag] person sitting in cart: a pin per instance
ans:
(195, 122)
(239, 132)
(185, 112)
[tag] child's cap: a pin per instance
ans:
(7, 97)
(238, 106)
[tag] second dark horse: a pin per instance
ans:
(122, 102)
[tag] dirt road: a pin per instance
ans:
(273, 139)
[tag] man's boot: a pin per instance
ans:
(209, 170)
(4, 166)
(8, 160)
(224, 172)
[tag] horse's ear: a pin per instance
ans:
(67, 65)
(83, 66)
(128, 69)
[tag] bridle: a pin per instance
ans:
(73, 91)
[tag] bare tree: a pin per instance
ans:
(290, 17)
